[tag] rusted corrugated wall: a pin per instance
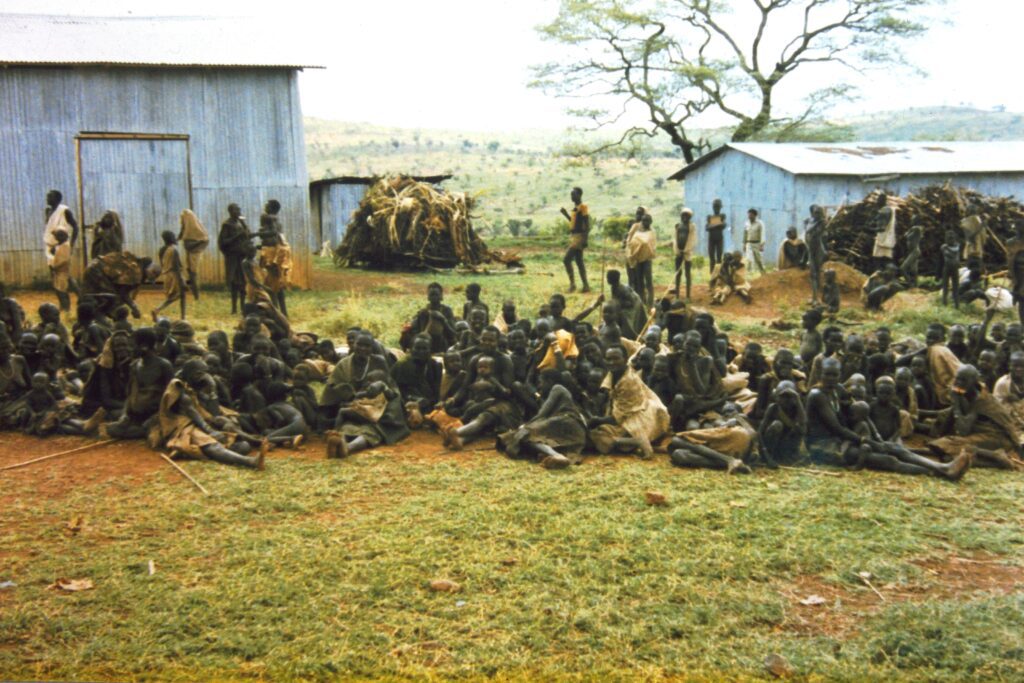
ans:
(243, 138)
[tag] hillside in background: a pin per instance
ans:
(524, 176)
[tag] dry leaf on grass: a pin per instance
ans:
(75, 525)
(72, 585)
(510, 561)
(656, 498)
(813, 600)
(445, 586)
(737, 504)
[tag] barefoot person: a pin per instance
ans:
(579, 230)
(635, 415)
(171, 269)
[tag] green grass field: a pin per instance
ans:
(317, 570)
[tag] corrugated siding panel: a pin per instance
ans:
(246, 144)
(741, 182)
(784, 200)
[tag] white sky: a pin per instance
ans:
(464, 64)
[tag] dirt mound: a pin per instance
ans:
(786, 288)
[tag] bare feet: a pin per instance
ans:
(585, 290)
(956, 470)
(93, 423)
(737, 466)
(646, 451)
(555, 462)
(297, 441)
(453, 441)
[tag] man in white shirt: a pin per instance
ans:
(753, 240)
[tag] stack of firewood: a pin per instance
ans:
(936, 208)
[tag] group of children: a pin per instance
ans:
(548, 387)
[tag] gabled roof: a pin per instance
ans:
(867, 159)
(56, 40)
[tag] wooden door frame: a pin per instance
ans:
(96, 135)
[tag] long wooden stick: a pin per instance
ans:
(57, 455)
(805, 470)
(184, 473)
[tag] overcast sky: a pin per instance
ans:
(465, 64)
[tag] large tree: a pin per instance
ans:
(678, 59)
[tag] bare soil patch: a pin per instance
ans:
(844, 607)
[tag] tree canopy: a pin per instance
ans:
(678, 59)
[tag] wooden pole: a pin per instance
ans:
(184, 473)
(57, 455)
(804, 470)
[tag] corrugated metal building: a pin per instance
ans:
(332, 201)
(781, 181)
(146, 116)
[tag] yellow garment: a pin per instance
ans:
(60, 265)
(277, 263)
(499, 322)
(942, 365)
(564, 341)
(194, 237)
(57, 221)
(640, 245)
(636, 407)
(170, 268)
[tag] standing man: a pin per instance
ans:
(631, 269)
(579, 229)
(170, 270)
(753, 240)
(195, 238)
(58, 217)
(814, 233)
(234, 235)
(685, 243)
(641, 247)
(715, 227)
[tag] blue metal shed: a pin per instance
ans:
(333, 200)
(146, 116)
(782, 180)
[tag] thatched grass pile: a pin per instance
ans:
(403, 223)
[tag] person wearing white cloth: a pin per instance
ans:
(58, 217)
(753, 240)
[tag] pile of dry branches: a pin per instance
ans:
(936, 208)
(403, 223)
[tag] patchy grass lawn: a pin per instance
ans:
(318, 570)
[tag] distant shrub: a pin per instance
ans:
(616, 227)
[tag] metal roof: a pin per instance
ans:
(370, 180)
(867, 159)
(47, 39)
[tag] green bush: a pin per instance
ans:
(616, 227)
